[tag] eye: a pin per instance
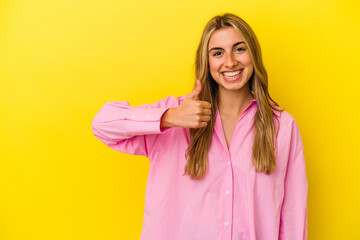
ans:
(216, 54)
(241, 49)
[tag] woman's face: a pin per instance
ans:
(228, 54)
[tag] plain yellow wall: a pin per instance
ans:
(61, 60)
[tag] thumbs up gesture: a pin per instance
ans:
(195, 93)
(192, 113)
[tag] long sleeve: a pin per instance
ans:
(126, 129)
(293, 221)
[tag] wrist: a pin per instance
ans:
(168, 119)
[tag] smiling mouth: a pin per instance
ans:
(232, 75)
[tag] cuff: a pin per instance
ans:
(146, 120)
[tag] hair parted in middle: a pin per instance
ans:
(264, 147)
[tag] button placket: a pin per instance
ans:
(228, 200)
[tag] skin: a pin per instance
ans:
(235, 96)
(192, 113)
(229, 56)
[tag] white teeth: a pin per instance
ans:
(232, 74)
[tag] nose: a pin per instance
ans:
(230, 61)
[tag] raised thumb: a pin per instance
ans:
(195, 93)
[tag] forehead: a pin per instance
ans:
(224, 37)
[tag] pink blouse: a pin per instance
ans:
(232, 201)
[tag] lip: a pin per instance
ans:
(232, 70)
(231, 80)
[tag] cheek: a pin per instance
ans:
(247, 59)
(211, 64)
(249, 63)
(214, 65)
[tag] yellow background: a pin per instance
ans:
(61, 60)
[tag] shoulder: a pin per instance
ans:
(285, 116)
(287, 122)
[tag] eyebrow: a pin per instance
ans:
(219, 48)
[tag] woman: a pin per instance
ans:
(225, 161)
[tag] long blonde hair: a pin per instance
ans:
(264, 146)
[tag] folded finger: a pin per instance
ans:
(205, 118)
(205, 104)
(206, 111)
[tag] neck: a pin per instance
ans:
(233, 103)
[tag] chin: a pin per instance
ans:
(233, 86)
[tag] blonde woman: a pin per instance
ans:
(226, 162)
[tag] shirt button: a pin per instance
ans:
(227, 192)
(133, 116)
(229, 162)
(226, 223)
